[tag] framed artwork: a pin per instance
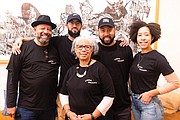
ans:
(16, 17)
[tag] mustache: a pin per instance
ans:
(107, 43)
(74, 28)
(47, 34)
(74, 34)
(107, 36)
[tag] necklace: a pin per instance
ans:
(84, 73)
(139, 61)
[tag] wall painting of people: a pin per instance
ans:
(16, 17)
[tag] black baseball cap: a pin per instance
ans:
(106, 21)
(74, 16)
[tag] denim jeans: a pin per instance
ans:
(26, 114)
(152, 111)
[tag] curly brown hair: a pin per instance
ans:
(154, 28)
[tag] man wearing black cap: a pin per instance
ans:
(118, 60)
(34, 73)
(63, 45)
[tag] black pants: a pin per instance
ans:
(124, 114)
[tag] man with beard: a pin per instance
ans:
(34, 73)
(118, 60)
(63, 45)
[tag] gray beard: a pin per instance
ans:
(42, 41)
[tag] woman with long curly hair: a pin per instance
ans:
(147, 66)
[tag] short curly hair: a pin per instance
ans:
(155, 30)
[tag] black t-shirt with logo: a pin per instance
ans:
(146, 69)
(63, 44)
(87, 92)
(118, 60)
(36, 70)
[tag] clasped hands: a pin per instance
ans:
(73, 116)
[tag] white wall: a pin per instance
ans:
(169, 44)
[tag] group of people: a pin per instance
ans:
(95, 77)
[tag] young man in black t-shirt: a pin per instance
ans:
(118, 60)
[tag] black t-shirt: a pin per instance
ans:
(118, 60)
(36, 69)
(67, 59)
(146, 69)
(87, 92)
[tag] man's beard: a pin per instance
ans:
(43, 41)
(107, 43)
(74, 35)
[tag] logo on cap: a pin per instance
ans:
(105, 20)
(74, 14)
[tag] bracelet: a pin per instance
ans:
(92, 116)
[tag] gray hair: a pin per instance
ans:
(91, 40)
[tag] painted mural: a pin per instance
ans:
(123, 12)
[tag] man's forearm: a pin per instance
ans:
(11, 90)
(27, 39)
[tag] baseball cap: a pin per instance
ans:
(74, 16)
(106, 21)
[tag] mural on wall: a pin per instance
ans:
(123, 12)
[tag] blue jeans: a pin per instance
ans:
(152, 111)
(26, 114)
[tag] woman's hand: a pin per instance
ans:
(85, 117)
(72, 116)
(145, 97)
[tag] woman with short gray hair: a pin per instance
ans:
(87, 91)
(89, 39)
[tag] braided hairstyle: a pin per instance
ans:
(154, 28)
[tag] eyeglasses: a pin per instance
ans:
(86, 47)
